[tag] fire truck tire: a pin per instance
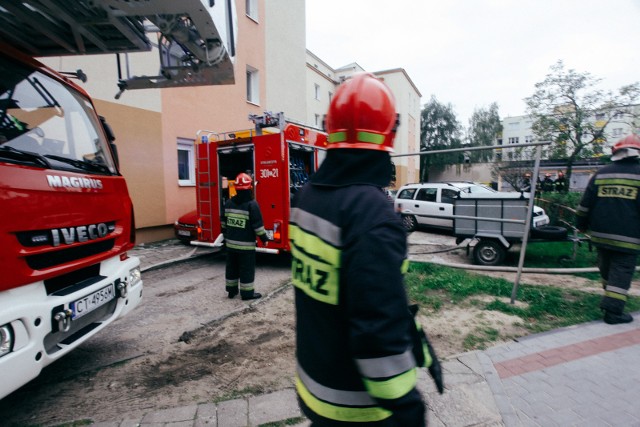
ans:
(410, 223)
(549, 232)
(489, 252)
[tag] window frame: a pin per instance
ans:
(185, 144)
(251, 9)
(253, 85)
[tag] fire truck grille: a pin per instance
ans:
(52, 259)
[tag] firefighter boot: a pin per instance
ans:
(255, 295)
(613, 318)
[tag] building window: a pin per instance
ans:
(316, 88)
(252, 9)
(617, 132)
(528, 139)
(330, 96)
(600, 116)
(514, 140)
(318, 123)
(253, 86)
(186, 163)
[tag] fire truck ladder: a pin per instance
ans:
(204, 199)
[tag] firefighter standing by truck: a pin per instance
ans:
(241, 222)
(610, 208)
(358, 346)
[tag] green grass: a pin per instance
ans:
(436, 287)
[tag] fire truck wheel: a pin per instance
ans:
(410, 223)
(489, 252)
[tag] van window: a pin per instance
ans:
(407, 194)
(448, 195)
(427, 194)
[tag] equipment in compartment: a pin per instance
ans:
(301, 165)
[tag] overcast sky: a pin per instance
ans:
(470, 53)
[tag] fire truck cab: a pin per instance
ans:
(280, 156)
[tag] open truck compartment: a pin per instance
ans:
(279, 155)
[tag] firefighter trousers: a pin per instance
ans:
(616, 269)
(241, 266)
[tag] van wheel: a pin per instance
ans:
(410, 223)
(489, 252)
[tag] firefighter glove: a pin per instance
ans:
(425, 353)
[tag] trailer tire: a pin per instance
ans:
(549, 232)
(410, 223)
(489, 252)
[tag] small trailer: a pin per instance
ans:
(493, 225)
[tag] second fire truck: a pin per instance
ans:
(280, 155)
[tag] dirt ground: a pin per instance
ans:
(248, 353)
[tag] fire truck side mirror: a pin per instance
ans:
(111, 137)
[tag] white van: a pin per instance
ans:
(431, 204)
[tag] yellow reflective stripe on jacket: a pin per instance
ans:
(315, 278)
(388, 366)
(318, 246)
(392, 388)
(615, 240)
(340, 413)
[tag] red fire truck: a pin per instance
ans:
(66, 218)
(279, 154)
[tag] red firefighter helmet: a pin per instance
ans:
(362, 114)
(628, 146)
(243, 182)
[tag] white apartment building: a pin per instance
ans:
(517, 130)
(322, 81)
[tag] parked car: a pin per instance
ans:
(431, 204)
(186, 227)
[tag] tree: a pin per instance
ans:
(439, 130)
(569, 111)
(484, 128)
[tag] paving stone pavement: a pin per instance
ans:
(583, 375)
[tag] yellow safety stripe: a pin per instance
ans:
(392, 388)
(616, 243)
(314, 244)
(317, 279)
(405, 266)
(340, 413)
(361, 136)
(615, 296)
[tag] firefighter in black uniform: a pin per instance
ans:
(241, 222)
(358, 346)
(610, 209)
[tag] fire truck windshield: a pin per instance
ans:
(41, 117)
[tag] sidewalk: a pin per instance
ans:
(584, 375)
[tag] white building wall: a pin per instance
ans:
(285, 58)
(320, 87)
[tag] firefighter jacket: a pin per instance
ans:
(355, 357)
(610, 207)
(241, 222)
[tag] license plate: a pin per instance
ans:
(92, 301)
(184, 233)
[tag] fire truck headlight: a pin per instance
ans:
(134, 276)
(6, 339)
